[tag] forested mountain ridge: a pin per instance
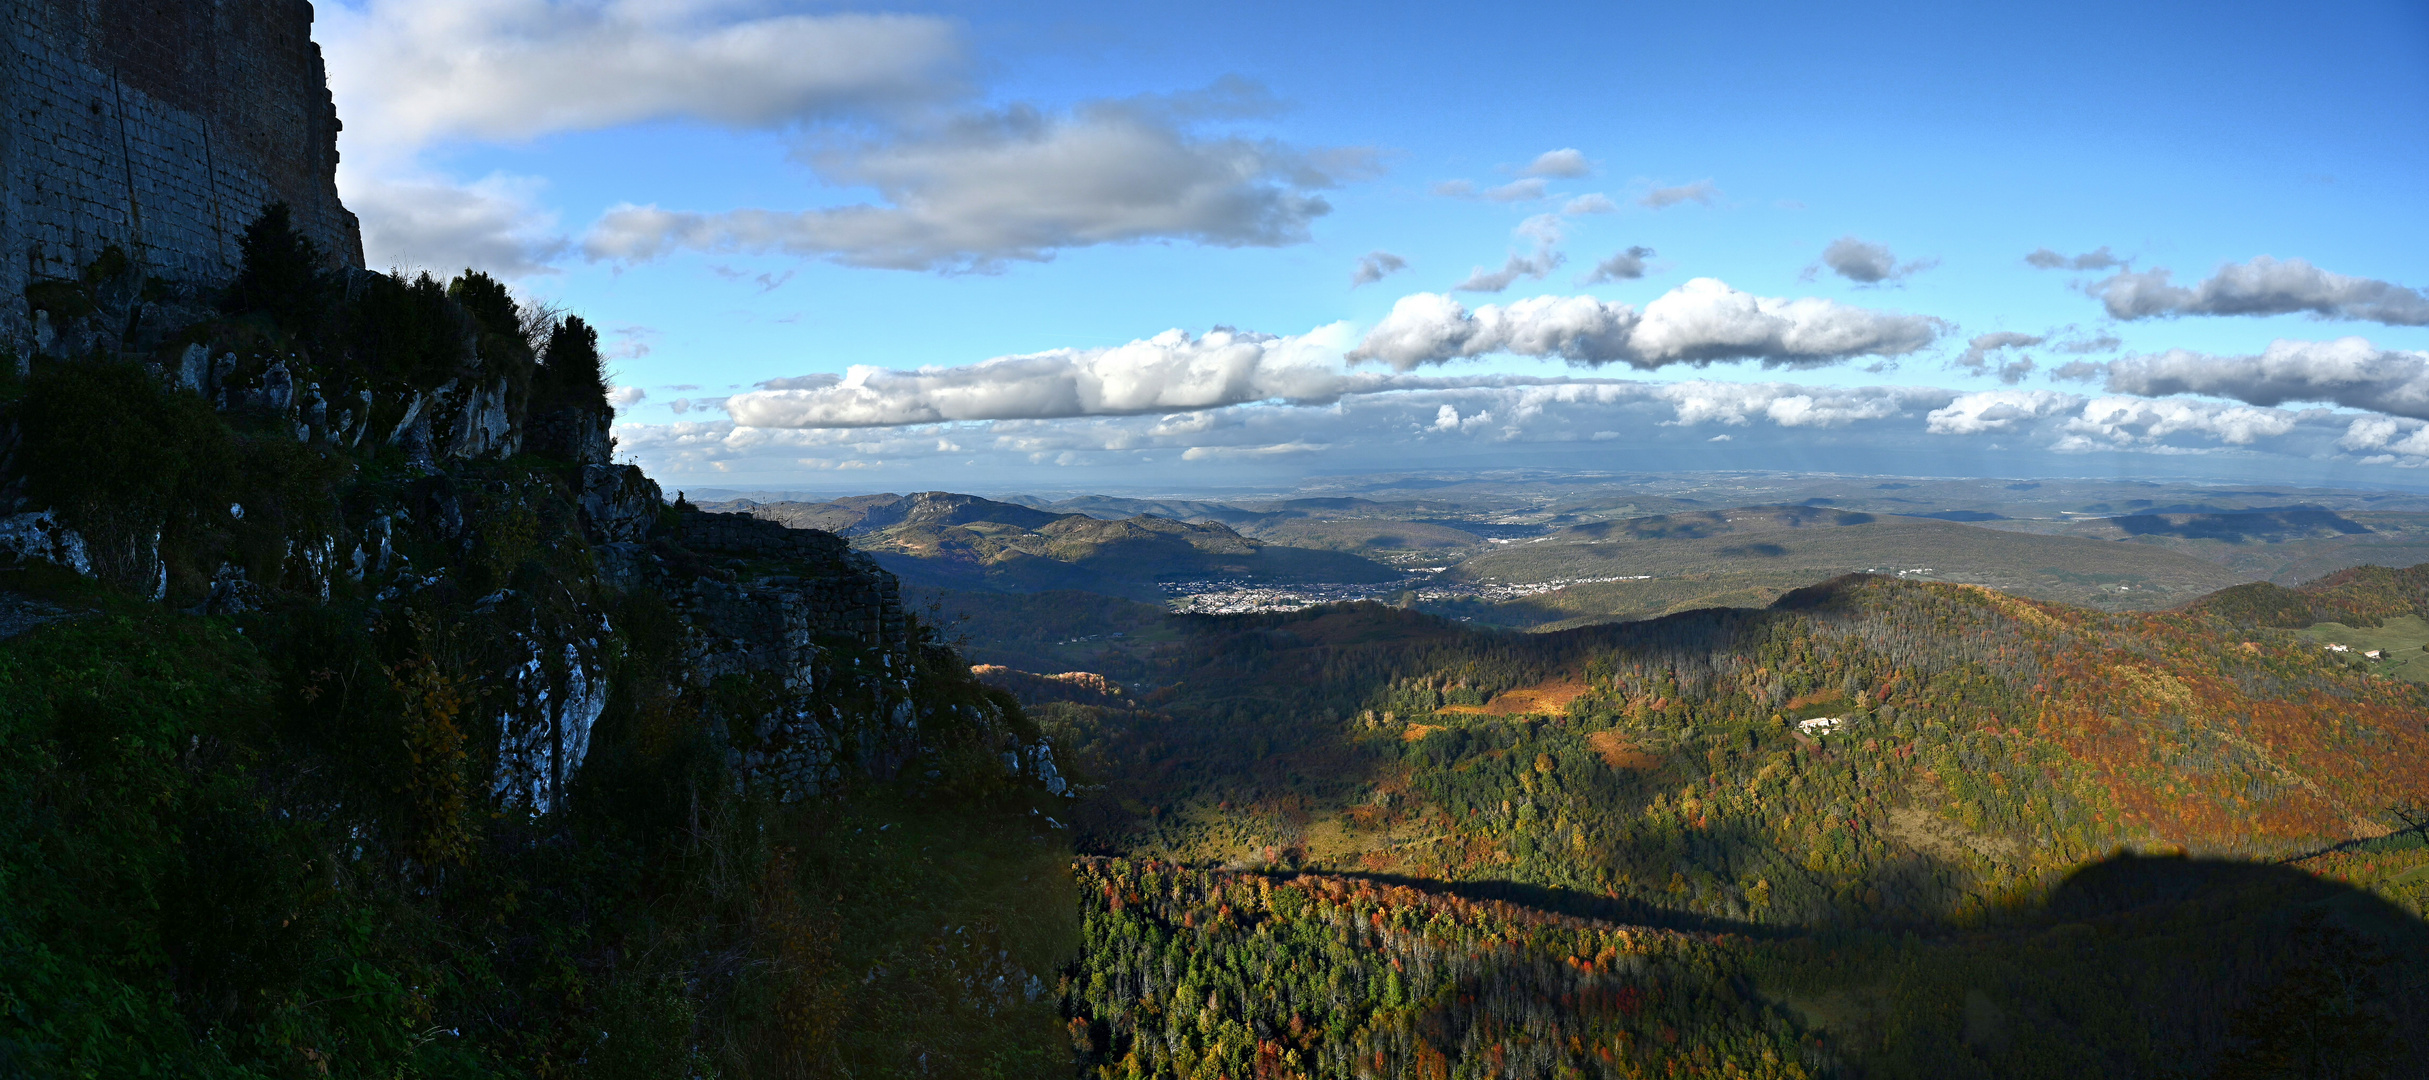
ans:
(942, 540)
(359, 717)
(1858, 722)
(1866, 761)
(2359, 596)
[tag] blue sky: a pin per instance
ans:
(1067, 179)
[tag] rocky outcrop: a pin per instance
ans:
(558, 692)
(619, 504)
(38, 535)
(577, 435)
(794, 650)
(844, 594)
(826, 624)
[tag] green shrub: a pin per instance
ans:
(573, 376)
(284, 274)
(404, 333)
(121, 460)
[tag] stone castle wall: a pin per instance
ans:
(162, 127)
(845, 594)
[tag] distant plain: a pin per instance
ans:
(1533, 551)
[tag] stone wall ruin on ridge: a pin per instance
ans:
(161, 127)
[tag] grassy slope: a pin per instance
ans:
(178, 894)
(2402, 638)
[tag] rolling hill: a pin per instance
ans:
(1762, 551)
(2005, 738)
(943, 540)
(1877, 828)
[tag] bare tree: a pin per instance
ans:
(539, 319)
(2414, 813)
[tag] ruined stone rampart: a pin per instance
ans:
(162, 127)
(829, 628)
(843, 593)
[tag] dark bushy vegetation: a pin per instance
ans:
(284, 275)
(573, 376)
(262, 853)
(2133, 967)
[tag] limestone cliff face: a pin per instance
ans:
(433, 494)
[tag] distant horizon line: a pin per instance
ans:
(1316, 483)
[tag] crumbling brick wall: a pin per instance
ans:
(162, 127)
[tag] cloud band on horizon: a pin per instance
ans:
(2348, 371)
(1701, 322)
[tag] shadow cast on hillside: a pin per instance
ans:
(1573, 902)
(2123, 896)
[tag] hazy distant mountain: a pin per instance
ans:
(943, 540)
(860, 515)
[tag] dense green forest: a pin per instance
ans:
(1189, 972)
(1903, 816)
(2134, 967)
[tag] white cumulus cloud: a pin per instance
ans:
(421, 221)
(411, 74)
(2347, 371)
(1703, 401)
(1374, 266)
(1866, 263)
(1517, 266)
(1981, 355)
(2388, 441)
(2121, 422)
(1171, 372)
(1998, 410)
(1401, 422)
(1628, 265)
(1702, 321)
(879, 101)
(1567, 163)
(2264, 286)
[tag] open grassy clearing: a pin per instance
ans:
(2401, 639)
